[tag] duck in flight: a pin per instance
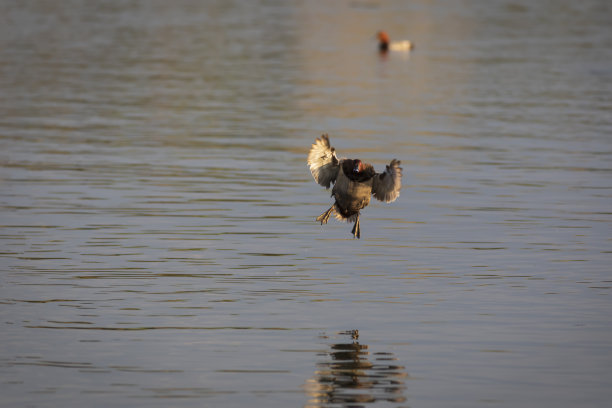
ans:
(354, 182)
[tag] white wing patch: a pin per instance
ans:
(324, 164)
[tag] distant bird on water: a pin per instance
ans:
(354, 182)
(385, 44)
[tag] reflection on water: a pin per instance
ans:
(351, 376)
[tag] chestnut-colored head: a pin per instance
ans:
(383, 37)
(357, 170)
(357, 166)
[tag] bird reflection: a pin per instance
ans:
(351, 376)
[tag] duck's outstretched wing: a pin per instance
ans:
(324, 164)
(386, 186)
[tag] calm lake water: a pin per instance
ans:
(159, 246)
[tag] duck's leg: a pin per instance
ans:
(325, 216)
(356, 229)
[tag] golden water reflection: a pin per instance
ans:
(351, 375)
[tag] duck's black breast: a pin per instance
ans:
(352, 190)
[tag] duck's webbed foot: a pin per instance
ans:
(325, 216)
(356, 231)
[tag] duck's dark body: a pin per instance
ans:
(354, 182)
(352, 190)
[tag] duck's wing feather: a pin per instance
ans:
(324, 164)
(386, 185)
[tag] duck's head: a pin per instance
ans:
(357, 170)
(383, 37)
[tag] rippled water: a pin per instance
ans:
(158, 242)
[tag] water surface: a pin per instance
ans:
(158, 243)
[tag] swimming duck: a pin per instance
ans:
(385, 44)
(354, 182)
